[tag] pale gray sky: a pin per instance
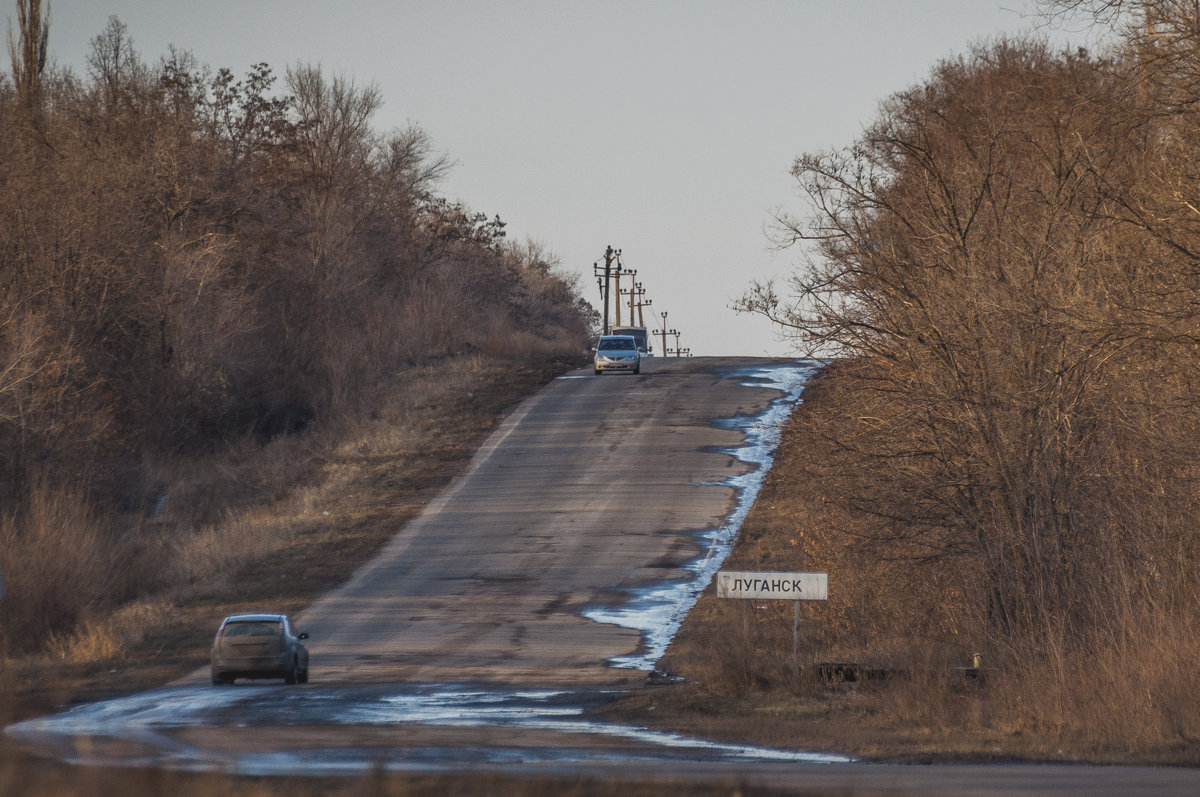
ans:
(664, 128)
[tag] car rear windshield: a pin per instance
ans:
(256, 628)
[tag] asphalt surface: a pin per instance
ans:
(590, 489)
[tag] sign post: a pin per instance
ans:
(793, 587)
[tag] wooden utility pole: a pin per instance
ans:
(678, 351)
(604, 279)
(618, 272)
(634, 294)
(664, 332)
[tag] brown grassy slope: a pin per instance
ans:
(297, 517)
(736, 658)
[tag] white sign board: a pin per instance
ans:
(773, 586)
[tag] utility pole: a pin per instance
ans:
(618, 272)
(664, 332)
(678, 351)
(635, 293)
(604, 277)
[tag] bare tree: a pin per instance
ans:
(992, 304)
(28, 52)
(116, 67)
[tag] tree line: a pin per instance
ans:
(200, 274)
(1004, 270)
(187, 255)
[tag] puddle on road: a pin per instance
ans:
(658, 611)
(149, 726)
(144, 724)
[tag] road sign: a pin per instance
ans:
(794, 587)
(773, 586)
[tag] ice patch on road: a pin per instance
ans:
(657, 612)
(141, 730)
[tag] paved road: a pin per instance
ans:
(591, 488)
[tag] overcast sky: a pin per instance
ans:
(664, 129)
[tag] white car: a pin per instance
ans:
(618, 353)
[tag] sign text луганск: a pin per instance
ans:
(773, 586)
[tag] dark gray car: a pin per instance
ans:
(259, 646)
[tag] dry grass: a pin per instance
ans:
(107, 640)
(59, 563)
